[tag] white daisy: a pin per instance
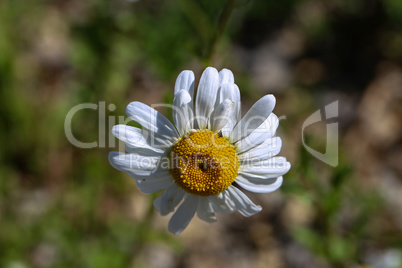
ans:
(201, 161)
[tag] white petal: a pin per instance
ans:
(259, 185)
(145, 170)
(151, 119)
(220, 116)
(243, 204)
(185, 81)
(206, 96)
(153, 185)
(137, 166)
(184, 214)
(257, 114)
(144, 151)
(264, 132)
(226, 77)
(231, 92)
(135, 163)
(205, 211)
(267, 149)
(137, 138)
(253, 140)
(222, 203)
(170, 198)
(273, 124)
(271, 168)
(181, 112)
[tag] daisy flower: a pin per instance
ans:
(202, 160)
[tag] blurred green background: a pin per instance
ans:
(63, 206)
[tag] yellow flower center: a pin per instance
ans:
(203, 163)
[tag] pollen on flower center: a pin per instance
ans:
(203, 163)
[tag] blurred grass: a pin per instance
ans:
(341, 210)
(61, 206)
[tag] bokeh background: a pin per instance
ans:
(63, 206)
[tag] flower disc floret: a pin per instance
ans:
(204, 163)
